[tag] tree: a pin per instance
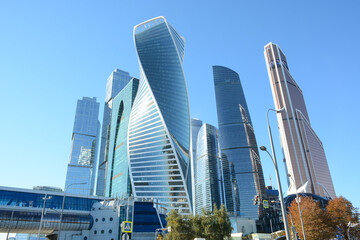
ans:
(341, 212)
(159, 237)
(197, 226)
(315, 219)
(181, 227)
(211, 226)
(223, 222)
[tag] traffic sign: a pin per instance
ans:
(266, 203)
(127, 226)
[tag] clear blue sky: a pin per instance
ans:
(55, 52)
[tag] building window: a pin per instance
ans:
(85, 238)
(110, 231)
(96, 220)
(95, 232)
(103, 219)
(111, 219)
(102, 231)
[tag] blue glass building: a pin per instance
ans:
(255, 159)
(235, 145)
(21, 210)
(115, 83)
(159, 128)
(82, 165)
(195, 127)
(85, 217)
(208, 170)
(117, 175)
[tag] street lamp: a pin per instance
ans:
(42, 214)
(12, 214)
(63, 203)
(298, 200)
(277, 173)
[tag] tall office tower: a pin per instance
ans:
(303, 151)
(82, 166)
(208, 170)
(195, 127)
(115, 83)
(235, 148)
(117, 177)
(255, 158)
(159, 127)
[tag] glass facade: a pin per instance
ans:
(115, 83)
(208, 171)
(303, 150)
(26, 205)
(117, 178)
(235, 147)
(34, 199)
(195, 127)
(82, 165)
(255, 159)
(146, 217)
(159, 128)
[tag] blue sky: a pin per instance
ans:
(55, 52)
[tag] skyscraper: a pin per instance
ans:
(82, 165)
(208, 171)
(303, 151)
(255, 158)
(117, 177)
(115, 83)
(195, 127)
(234, 120)
(159, 127)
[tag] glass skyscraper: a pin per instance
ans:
(115, 83)
(117, 177)
(159, 127)
(255, 159)
(208, 170)
(303, 150)
(195, 127)
(236, 150)
(82, 165)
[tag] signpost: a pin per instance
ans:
(127, 227)
(266, 203)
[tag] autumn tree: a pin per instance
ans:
(340, 212)
(315, 219)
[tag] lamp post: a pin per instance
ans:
(63, 204)
(286, 227)
(42, 214)
(298, 200)
(12, 214)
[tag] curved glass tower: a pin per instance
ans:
(117, 174)
(236, 148)
(159, 127)
(208, 172)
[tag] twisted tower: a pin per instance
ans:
(159, 127)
